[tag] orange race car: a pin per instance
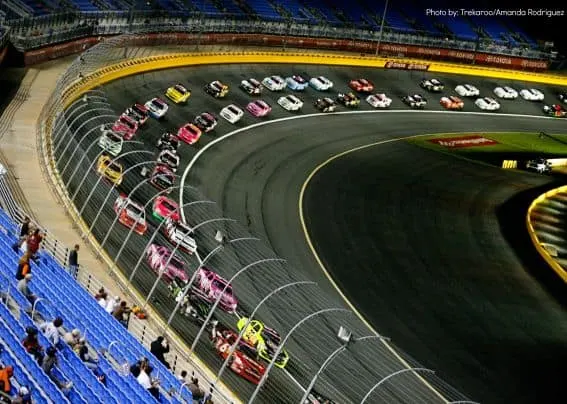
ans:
(452, 103)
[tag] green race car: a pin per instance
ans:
(266, 341)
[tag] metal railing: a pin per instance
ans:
(35, 32)
(260, 276)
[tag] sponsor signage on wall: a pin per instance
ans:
(392, 64)
(463, 141)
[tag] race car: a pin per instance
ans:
(168, 141)
(379, 100)
(361, 85)
(168, 158)
(415, 101)
(162, 262)
(467, 90)
(266, 340)
(111, 142)
(487, 104)
(162, 178)
(164, 208)
(290, 102)
(325, 105)
(126, 126)
(157, 107)
(251, 86)
(258, 108)
(506, 92)
(131, 214)
(109, 169)
(216, 89)
(531, 94)
(209, 286)
(541, 166)
(321, 83)
(189, 133)
(206, 122)
(316, 398)
(241, 361)
(296, 83)
(554, 110)
(432, 85)
(452, 102)
(178, 233)
(562, 97)
(232, 113)
(348, 100)
(274, 83)
(139, 113)
(178, 94)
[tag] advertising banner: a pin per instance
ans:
(392, 64)
(463, 141)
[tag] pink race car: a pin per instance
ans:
(189, 133)
(158, 257)
(164, 208)
(258, 108)
(209, 285)
(125, 126)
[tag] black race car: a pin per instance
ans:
(168, 141)
(251, 86)
(348, 99)
(554, 110)
(206, 122)
(415, 101)
(325, 105)
(433, 85)
(216, 89)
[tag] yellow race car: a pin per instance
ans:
(178, 94)
(266, 341)
(110, 170)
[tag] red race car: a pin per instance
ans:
(131, 214)
(189, 133)
(241, 361)
(125, 126)
(452, 103)
(164, 208)
(361, 85)
(138, 113)
(162, 178)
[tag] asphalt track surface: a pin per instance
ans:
(410, 235)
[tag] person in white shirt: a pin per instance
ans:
(112, 304)
(51, 330)
(102, 300)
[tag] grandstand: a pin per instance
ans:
(61, 296)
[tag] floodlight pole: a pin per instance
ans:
(382, 28)
(385, 379)
(56, 148)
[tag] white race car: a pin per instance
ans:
(432, 85)
(290, 102)
(111, 142)
(506, 92)
(321, 83)
(379, 100)
(168, 158)
(531, 94)
(232, 113)
(467, 90)
(274, 83)
(415, 100)
(487, 104)
(157, 107)
(180, 234)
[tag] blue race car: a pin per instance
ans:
(296, 83)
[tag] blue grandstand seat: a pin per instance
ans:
(230, 7)
(263, 8)
(85, 5)
(323, 9)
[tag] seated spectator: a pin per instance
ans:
(99, 294)
(136, 367)
(31, 344)
(112, 304)
(51, 330)
(159, 348)
(72, 338)
(24, 267)
(49, 363)
(122, 313)
(5, 375)
(23, 288)
(146, 381)
(196, 391)
(23, 397)
(102, 300)
(182, 376)
(85, 357)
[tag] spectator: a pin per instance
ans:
(5, 374)
(85, 357)
(72, 338)
(31, 344)
(112, 304)
(49, 363)
(99, 294)
(183, 376)
(102, 300)
(24, 267)
(74, 261)
(146, 381)
(122, 313)
(25, 229)
(159, 348)
(34, 242)
(51, 330)
(23, 397)
(196, 391)
(23, 288)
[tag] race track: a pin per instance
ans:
(411, 236)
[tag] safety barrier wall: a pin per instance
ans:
(546, 252)
(324, 44)
(88, 73)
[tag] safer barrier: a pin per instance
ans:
(545, 252)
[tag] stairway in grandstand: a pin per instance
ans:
(62, 296)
